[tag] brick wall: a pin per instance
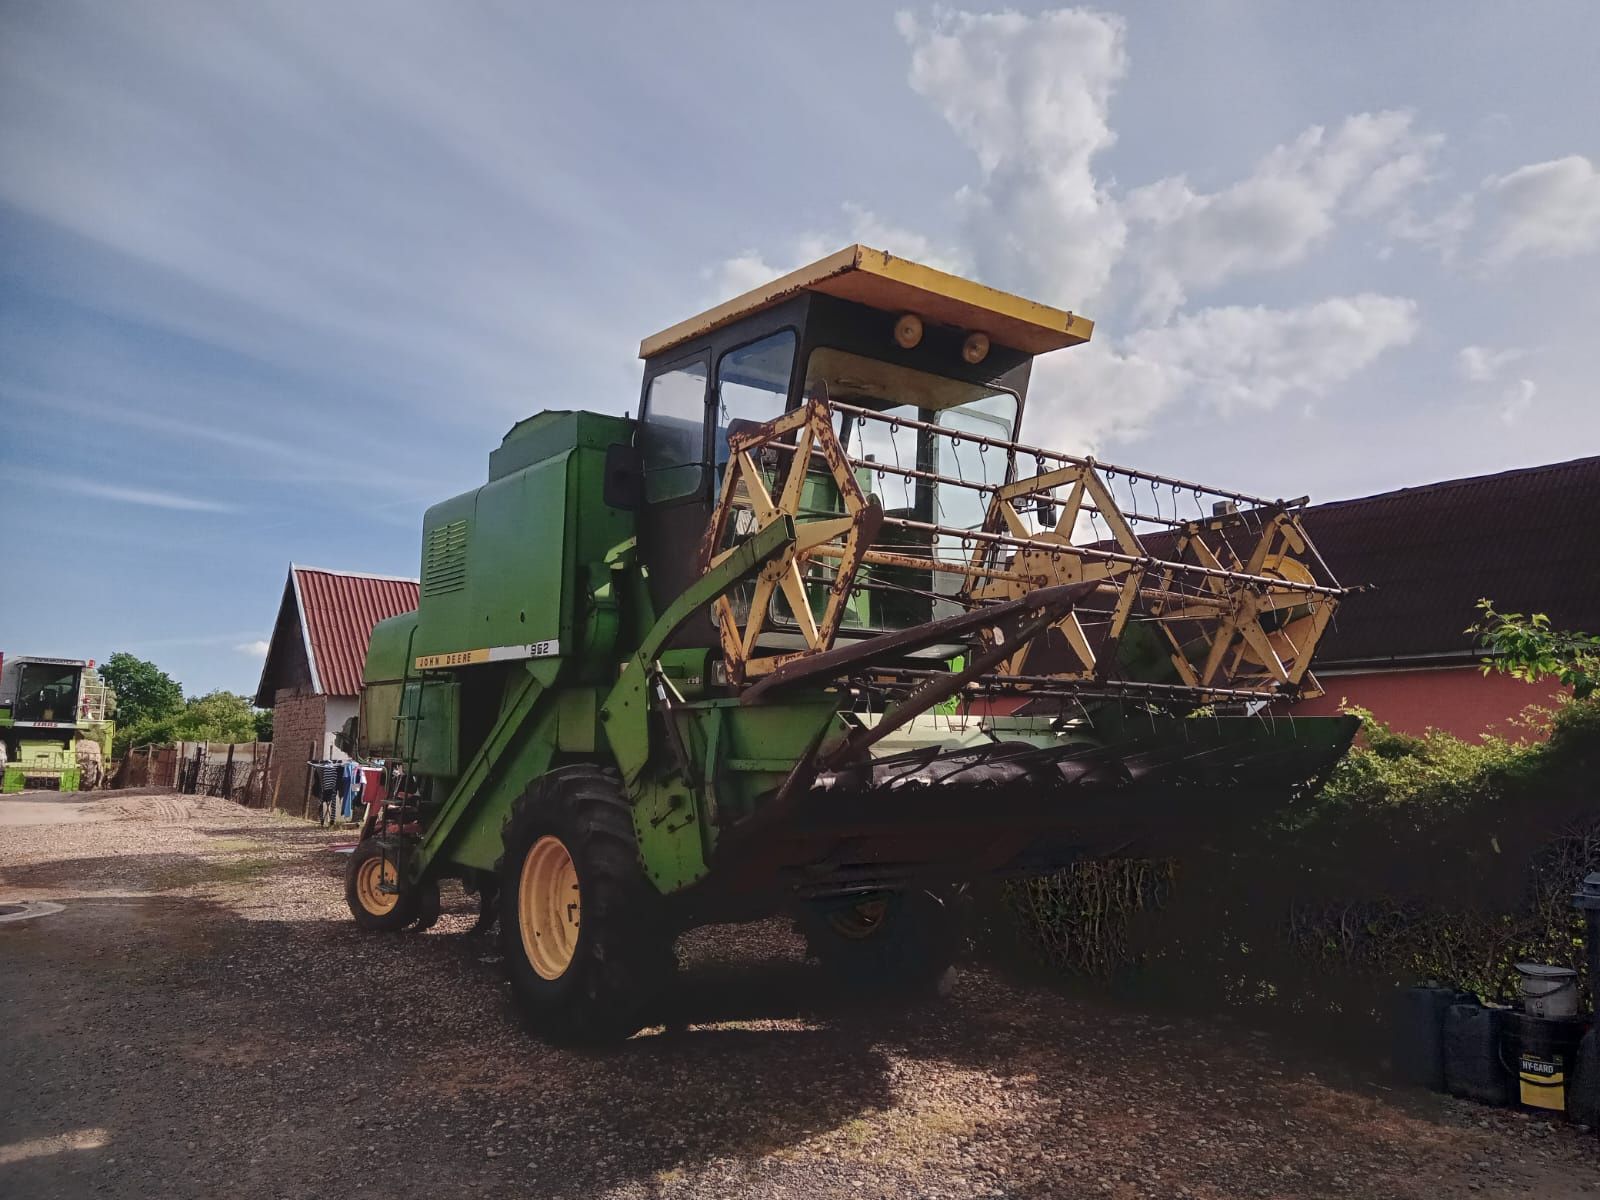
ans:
(299, 733)
(1459, 700)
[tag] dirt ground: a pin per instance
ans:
(204, 1019)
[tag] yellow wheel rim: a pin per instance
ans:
(861, 920)
(548, 909)
(370, 876)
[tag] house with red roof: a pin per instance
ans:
(312, 677)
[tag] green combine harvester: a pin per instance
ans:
(816, 634)
(53, 724)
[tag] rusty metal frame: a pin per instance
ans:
(844, 537)
(1236, 623)
(1235, 637)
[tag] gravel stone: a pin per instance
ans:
(203, 1018)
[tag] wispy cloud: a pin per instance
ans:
(1481, 364)
(255, 649)
(1517, 399)
(150, 497)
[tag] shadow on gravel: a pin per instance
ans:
(294, 833)
(140, 872)
(204, 1038)
(251, 1038)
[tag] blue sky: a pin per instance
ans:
(275, 276)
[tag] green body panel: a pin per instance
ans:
(388, 663)
(626, 713)
(733, 756)
(476, 840)
(466, 829)
(52, 757)
(672, 834)
(430, 727)
(16, 778)
(578, 720)
(511, 562)
(389, 651)
(523, 564)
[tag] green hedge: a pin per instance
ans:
(1423, 858)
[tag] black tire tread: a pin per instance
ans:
(908, 957)
(397, 918)
(624, 952)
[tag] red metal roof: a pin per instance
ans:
(337, 612)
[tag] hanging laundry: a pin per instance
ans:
(351, 782)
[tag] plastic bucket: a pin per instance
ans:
(1549, 992)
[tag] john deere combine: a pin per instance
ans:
(816, 633)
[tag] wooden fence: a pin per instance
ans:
(240, 771)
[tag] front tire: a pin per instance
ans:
(581, 928)
(369, 870)
(889, 944)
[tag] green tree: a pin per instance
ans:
(263, 724)
(1527, 648)
(216, 717)
(144, 691)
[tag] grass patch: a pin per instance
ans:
(229, 844)
(198, 873)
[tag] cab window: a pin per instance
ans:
(673, 431)
(752, 387)
(47, 692)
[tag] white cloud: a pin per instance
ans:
(1484, 365)
(1544, 210)
(255, 649)
(1480, 364)
(751, 268)
(1274, 217)
(1030, 97)
(1516, 400)
(1442, 232)
(1228, 358)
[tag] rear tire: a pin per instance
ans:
(581, 928)
(375, 910)
(899, 944)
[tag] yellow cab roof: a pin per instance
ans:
(879, 280)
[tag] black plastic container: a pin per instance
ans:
(1475, 1058)
(1587, 901)
(1544, 1052)
(1583, 1097)
(1419, 1034)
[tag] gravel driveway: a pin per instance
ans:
(203, 1019)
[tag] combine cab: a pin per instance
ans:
(52, 720)
(817, 633)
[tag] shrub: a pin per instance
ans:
(1423, 858)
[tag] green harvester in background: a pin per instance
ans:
(815, 634)
(54, 730)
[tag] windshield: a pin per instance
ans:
(47, 692)
(896, 596)
(897, 391)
